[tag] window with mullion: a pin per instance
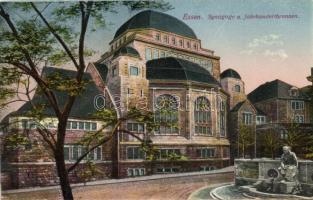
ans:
(73, 152)
(202, 116)
(206, 152)
(136, 127)
(166, 114)
(134, 153)
(247, 118)
(164, 153)
(297, 105)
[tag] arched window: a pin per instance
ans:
(202, 115)
(237, 88)
(167, 114)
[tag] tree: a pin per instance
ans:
(298, 139)
(47, 32)
(270, 142)
(245, 139)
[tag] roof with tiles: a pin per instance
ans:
(83, 106)
(274, 89)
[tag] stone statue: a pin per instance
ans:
(287, 182)
(289, 171)
(289, 165)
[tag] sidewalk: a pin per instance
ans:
(124, 180)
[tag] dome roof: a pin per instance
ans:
(129, 51)
(230, 73)
(156, 20)
(171, 68)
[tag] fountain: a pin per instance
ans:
(284, 178)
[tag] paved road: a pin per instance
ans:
(168, 188)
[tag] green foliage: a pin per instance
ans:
(271, 142)
(150, 150)
(59, 82)
(176, 157)
(9, 76)
(15, 140)
(107, 116)
(138, 5)
(33, 37)
(36, 112)
(55, 35)
(90, 170)
(246, 138)
(300, 141)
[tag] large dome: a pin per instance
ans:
(156, 20)
(171, 68)
(230, 73)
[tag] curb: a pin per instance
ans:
(126, 180)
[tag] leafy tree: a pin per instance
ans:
(32, 34)
(270, 142)
(246, 139)
(298, 139)
(309, 91)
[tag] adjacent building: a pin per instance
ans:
(242, 112)
(281, 102)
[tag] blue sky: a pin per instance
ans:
(259, 49)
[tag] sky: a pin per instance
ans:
(260, 50)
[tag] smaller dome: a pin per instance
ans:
(230, 73)
(129, 51)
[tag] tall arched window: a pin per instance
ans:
(202, 115)
(237, 88)
(167, 114)
(222, 122)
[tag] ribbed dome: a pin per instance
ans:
(230, 73)
(156, 20)
(171, 68)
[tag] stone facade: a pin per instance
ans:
(280, 110)
(237, 120)
(122, 89)
(186, 140)
(229, 85)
